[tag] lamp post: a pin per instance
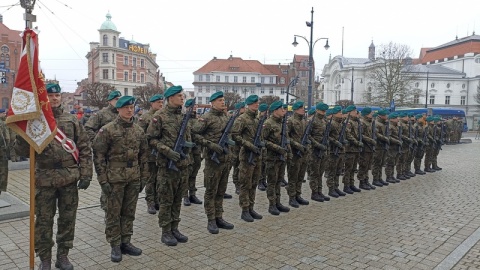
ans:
(352, 82)
(426, 92)
(311, 44)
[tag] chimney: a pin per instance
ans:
(214, 58)
(1, 18)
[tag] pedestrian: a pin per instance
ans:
(207, 132)
(120, 156)
(57, 170)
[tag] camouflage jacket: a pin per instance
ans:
(120, 152)
(367, 135)
(163, 131)
(144, 121)
(381, 126)
(318, 129)
(296, 125)
(272, 135)
(243, 130)
(197, 149)
(208, 129)
(55, 167)
(100, 119)
(4, 136)
(352, 135)
(420, 130)
(334, 135)
(394, 139)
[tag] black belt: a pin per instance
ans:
(56, 165)
(123, 164)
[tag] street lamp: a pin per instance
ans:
(311, 44)
(353, 82)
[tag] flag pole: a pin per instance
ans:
(32, 208)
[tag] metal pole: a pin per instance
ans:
(351, 91)
(426, 93)
(310, 62)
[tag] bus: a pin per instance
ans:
(444, 112)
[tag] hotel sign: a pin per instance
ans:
(137, 49)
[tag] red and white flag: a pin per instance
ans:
(30, 114)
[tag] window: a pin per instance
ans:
(285, 71)
(447, 100)
(104, 57)
(282, 91)
(142, 63)
(125, 61)
(226, 78)
(142, 78)
(105, 40)
(200, 100)
(244, 79)
(448, 85)
(417, 84)
(207, 89)
(207, 77)
(200, 78)
(217, 78)
(271, 90)
(416, 99)
(114, 41)
(105, 74)
(252, 79)
(432, 85)
(262, 79)
(462, 100)
(134, 77)
(134, 62)
(271, 79)
(113, 58)
(199, 89)
(262, 90)
(235, 78)
(282, 80)
(252, 90)
(113, 74)
(477, 60)
(432, 99)
(126, 91)
(125, 76)
(463, 86)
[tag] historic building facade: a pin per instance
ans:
(10, 49)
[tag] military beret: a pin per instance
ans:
(436, 119)
(311, 111)
(328, 112)
(285, 106)
(411, 114)
(393, 115)
(297, 105)
(251, 99)
(418, 116)
(402, 114)
(156, 97)
(124, 101)
(429, 118)
(114, 94)
(382, 112)
(216, 95)
(189, 103)
(275, 105)
(173, 90)
(366, 111)
(239, 105)
(2, 110)
(263, 107)
(321, 106)
(336, 109)
(53, 88)
(350, 108)
(375, 114)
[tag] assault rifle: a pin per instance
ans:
(441, 136)
(424, 140)
(360, 134)
(387, 134)
(374, 133)
(434, 136)
(319, 152)
(283, 139)
(306, 133)
(180, 143)
(410, 145)
(224, 140)
(416, 135)
(341, 138)
(257, 140)
(400, 138)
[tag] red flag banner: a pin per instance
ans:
(30, 114)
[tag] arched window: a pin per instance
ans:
(114, 41)
(105, 40)
(7, 61)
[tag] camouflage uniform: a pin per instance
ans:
(56, 175)
(450, 127)
(383, 142)
(366, 157)
(193, 167)
(420, 151)
(402, 159)
(437, 143)
(297, 165)
(393, 153)
(352, 154)
(120, 156)
(4, 148)
(429, 148)
(335, 162)
(317, 164)
(411, 150)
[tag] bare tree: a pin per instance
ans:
(144, 93)
(476, 96)
(231, 99)
(269, 99)
(392, 75)
(344, 102)
(97, 94)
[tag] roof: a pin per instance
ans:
(434, 69)
(234, 64)
(457, 47)
(277, 70)
(108, 24)
(14, 35)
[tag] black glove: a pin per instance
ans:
(83, 183)
(106, 188)
(172, 155)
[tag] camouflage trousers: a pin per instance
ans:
(263, 171)
(377, 165)
(248, 179)
(402, 161)
(193, 169)
(296, 168)
(47, 199)
(417, 162)
(351, 161)
(335, 163)
(435, 153)
(274, 169)
(215, 181)
(3, 173)
(364, 164)
(410, 158)
(170, 191)
(428, 156)
(392, 161)
(151, 195)
(236, 170)
(120, 213)
(317, 168)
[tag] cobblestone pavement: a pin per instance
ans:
(412, 225)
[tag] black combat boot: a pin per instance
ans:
(301, 200)
(237, 190)
(411, 174)
(293, 202)
(354, 188)
(212, 226)
(333, 193)
(227, 196)
(116, 254)
(401, 177)
(339, 192)
(157, 206)
(246, 216)
(222, 223)
(255, 215)
(383, 182)
(436, 168)
(272, 209)
(168, 238)
(283, 183)
(316, 197)
(179, 236)
(363, 185)
(377, 183)
(63, 263)
(391, 180)
(45, 264)
(186, 201)
(151, 209)
(262, 186)
(370, 185)
(130, 249)
(420, 172)
(194, 199)
(346, 189)
(325, 197)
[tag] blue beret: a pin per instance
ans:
(216, 95)
(251, 99)
(173, 90)
(366, 111)
(382, 112)
(393, 115)
(114, 94)
(275, 105)
(321, 106)
(125, 101)
(297, 105)
(350, 108)
(156, 97)
(189, 102)
(263, 107)
(336, 109)
(53, 88)
(239, 105)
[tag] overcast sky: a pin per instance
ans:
(186, 34)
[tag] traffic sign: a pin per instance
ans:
(3, 80)
(3, 74)
(4, 70)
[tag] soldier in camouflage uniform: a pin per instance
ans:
(394, 150)
(235, 154)
(100, 119)
(11, 134)
(56, 175)
(189, 194)
(366, 156)
(120, 155)
(207, 132)
(402, 158)
(438, 143)
(162, 135)
(430, 146)
(383, 143)
(243, 133)
(352, 150)
(151, 195)
(318, 155)
(4, 149)
(336, 154)
(412, 135)
(420, 130)
(296, 167)
(262, 182)
(276, 156)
